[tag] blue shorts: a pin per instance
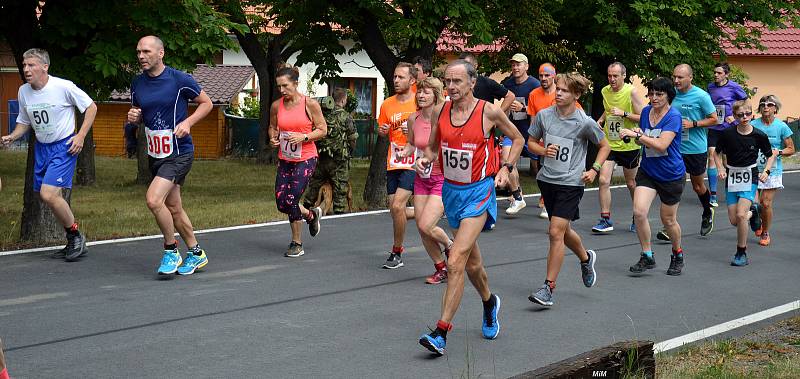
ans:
(524, 153)
(732, 198)
(470, 200)
(53, 165)
(400, 179)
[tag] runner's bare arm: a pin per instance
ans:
(638, 105)
(604, 149)
(431, 152)
(720, 162)
(499, 119)
(320, 126)
(76, 142)
(273, 124)
(409, 149)
(710, 120)
(507, 101)
(789, 149)
(18, 132)
(204, 106)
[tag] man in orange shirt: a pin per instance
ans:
(392, 121)
(539, 99)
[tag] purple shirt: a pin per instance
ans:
(723, 98)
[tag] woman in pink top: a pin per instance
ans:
(295, 122)
(428, 207)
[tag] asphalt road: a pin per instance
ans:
(336, 313)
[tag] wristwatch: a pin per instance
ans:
(508, 166)
(624, 114)
(305, 137)
(767, 172)
(780, 153)
(694, 124)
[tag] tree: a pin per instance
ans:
(92, 43)
(276, 31)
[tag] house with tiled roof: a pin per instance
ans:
(774, 70)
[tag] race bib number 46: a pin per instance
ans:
(288, 149)
(614, 124)
(457, 165)
(559, 163)
(740, 179)
(396, 161)
(159, 142)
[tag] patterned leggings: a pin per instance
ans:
(290, 182)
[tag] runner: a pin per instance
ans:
(428, 207)
(462, 139)
(566, 131)
(392, 121)
(724, 93)
(780, 137)
(521, 84)
(47, 104)
(698, 113)
(622, 108)
(295, 122)
(741, 147)
(661, 173)
(424, 70)
(160, 99)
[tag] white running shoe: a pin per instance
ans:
(516, 206)
(544, 214)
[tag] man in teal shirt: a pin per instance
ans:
(698, 113)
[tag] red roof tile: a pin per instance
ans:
(779, 43)
(221, 82)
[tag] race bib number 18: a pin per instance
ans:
(290, 150)
(457, 165)
(559, 163)
(159, 142)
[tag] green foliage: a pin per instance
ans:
(352, 102)
(739, 76)
(249, 108)
(93, 42)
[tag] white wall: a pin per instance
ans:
(353, 66)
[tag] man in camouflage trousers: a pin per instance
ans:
(334, 152)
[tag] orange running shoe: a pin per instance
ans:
(765, 240)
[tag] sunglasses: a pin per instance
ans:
(741, 115)
(766, 104)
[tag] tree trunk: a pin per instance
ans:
(85, 173)
(375, 186)
(38, 223)
(143, 174)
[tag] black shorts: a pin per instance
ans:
(695, 163)
(400, 179)
(713, 137)
(173, 168)
(561, 201)
(626, 159)
(669, 192)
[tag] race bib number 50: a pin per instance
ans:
(159, 142)
(457, 165)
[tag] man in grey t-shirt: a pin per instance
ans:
(566, 131)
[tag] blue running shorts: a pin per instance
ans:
(53, 165)
(470, 200)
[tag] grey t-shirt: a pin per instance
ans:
(572, 134)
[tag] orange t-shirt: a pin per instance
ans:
(538, 100)
(394, 113)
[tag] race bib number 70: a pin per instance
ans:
(290, 150)
(159, 142)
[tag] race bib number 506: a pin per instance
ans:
(159, 143)
(397, 161)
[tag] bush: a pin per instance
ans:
(249, 108)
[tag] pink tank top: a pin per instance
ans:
(422, 132)
(295, 120)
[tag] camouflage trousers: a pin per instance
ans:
(329, 170)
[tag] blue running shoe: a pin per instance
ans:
(170, 262)
(633, 226)
(491, 326)
(740, 260)
(587, 269)
(193, 262)
(433, 342)
(604, 225)
(713, 201)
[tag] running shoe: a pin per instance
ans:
(675, 264)
(713, 201)
(587, 270)
(60, 254)
(192, 263)
(491, 326)
(645, 263)
(543, 214)
(393, 262)
(544, 296)
(662, 235)
(633, 226)
(707, 225)
(76, 246)
(433, 342)
(765, 239)
(314, 225)
(170, 262)
(516, 206)
(604, 225)
(740, 259)
(295, 250)
(438, 277)
(755, 219)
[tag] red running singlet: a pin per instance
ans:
(468, 155)
(294, 120)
